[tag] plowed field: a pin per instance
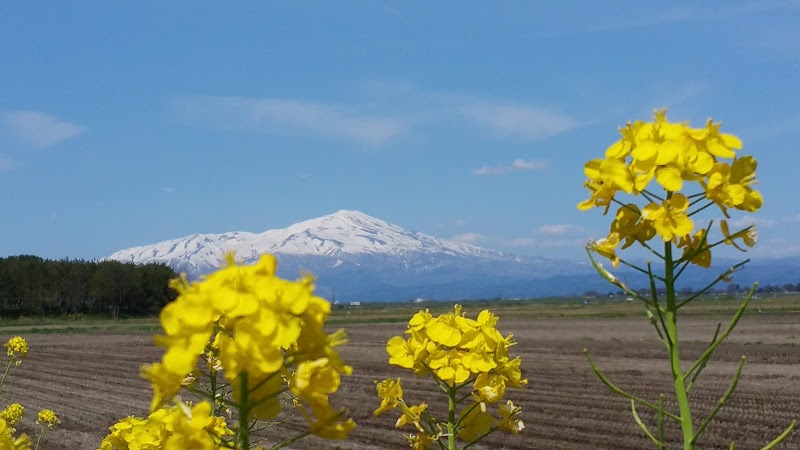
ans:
(91, 380)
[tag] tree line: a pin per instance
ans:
(33, 286)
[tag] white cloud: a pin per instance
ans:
(522, 242)
(577, 242)
(468, 238)
(388, 111)
(776, 248)
(168, 190)
(559, 230)
(745, 221)
(523, 122)
(290, 116)
(39, 130)
(517, 166)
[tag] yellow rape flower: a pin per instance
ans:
(608, 247)
(509, 422)
(176, 427)
(475, 422)
(611, 172)
(729, 185)
(47, 417)
(253, 327)
(17, 347)
(327, 422)
(696, 245)
(12, 414)
(9, 442)
(313, 378)
(718, 144)
(748, 236)
(670, 219)
(421, 441)
(629, 225)
(489, 388)
(391, 394)
(459, 352)
(411, 415)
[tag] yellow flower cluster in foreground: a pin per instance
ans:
(671, 154)
(17, 348)
(178, 427)
(9, 442)
(458, 352)
(455, 349)
(11, 415)
(262, 333)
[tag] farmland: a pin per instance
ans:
(88, 373)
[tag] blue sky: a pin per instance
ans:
(127, 123)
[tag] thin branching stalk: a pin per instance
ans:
(660, 419)
(654, 294)
(722, 401)
(710, 350)
(491, 430)
(703, 366)
(644, 428)
(721, 277)
(619, 391)
(780, 438)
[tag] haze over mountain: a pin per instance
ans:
(359, 257)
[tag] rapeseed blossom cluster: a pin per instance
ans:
(657, 161)
(459, 353)
(11, 415)
(17, 349)
(9, 442)
(669, 155)
(264, 335)
(179, 427)
(48, 418)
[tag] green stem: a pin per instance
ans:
(451, 419)
(213, 377)
(39, 439)
(619, 391)
(244, 413)
(681, 394)
(722, 401)
(5, 374)
(780, 438)
(491, 430)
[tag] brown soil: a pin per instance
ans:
(91, 380)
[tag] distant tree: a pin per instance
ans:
(30, 285)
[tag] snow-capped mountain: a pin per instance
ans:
(362, 257)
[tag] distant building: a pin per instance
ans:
(355, 303)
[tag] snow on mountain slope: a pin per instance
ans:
(362, 256)
(340, 234)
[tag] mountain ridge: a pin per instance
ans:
(358, 253)
(360, 257)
